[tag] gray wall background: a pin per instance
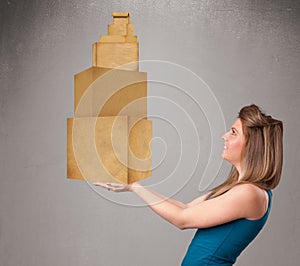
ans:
(247, 51)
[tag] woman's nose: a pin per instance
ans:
(224, 137)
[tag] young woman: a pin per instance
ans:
(231, 215)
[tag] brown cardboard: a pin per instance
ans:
(109, 149)
(109, 138)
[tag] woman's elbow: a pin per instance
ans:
(186, 224)
(178, 224)
(182, 221)
(182, 225)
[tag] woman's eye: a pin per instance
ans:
(233, 132)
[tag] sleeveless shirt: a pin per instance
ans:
(222, 244)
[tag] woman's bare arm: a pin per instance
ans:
(242, 201)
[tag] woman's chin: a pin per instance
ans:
(223, 155)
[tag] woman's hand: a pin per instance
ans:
(114, 186)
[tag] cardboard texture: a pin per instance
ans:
(120, 29)
(104, 92)
(109, 149)
(140, 153)
(109, 138)
(116, 55)
(91, 154)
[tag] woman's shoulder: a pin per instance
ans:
(256, 197)
(248, 187)
(251, 191)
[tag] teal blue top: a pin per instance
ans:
(222, 244)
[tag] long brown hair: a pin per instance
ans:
(262, 154)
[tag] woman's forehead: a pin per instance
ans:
(238, 125)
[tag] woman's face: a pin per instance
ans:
(234, 143)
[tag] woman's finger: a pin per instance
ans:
(99, 184)
(116, 187)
